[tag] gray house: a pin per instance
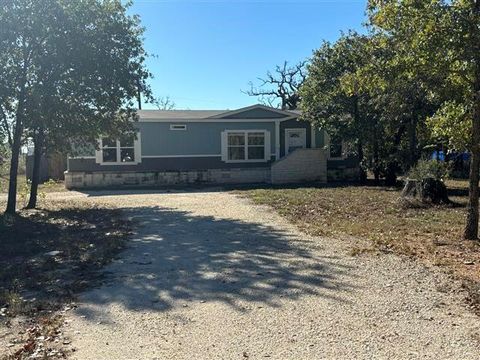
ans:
(256, 144)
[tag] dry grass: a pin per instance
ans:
(34, 282)
(23, 186)
(83, 237)
(432, 234)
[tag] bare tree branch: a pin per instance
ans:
(284, 85)
(164, 103)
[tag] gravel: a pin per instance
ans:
(209, 275)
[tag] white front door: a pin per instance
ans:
(295, 139)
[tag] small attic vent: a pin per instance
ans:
(178, 127)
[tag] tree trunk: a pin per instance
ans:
(471, 227)
(16, 147)
(391, 174)
(376, 165)
(428, 190)
(413, 141)
(37, 159)
(17, 140)
(376, 156)
(363, 174)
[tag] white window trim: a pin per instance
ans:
(304, 135)
(178, 127)
(136, 151)
(267, 150)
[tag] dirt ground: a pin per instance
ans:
(210, 275)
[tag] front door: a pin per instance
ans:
(295, 139)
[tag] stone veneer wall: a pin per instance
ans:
(302, 165)
(299, 166)
(78, 180)
(343, 174)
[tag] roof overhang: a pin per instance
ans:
(227, 114)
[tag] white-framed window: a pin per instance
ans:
(122, 151)
(181, 127)
(246, 146)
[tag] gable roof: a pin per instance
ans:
(214, 114)
(231, 113)
(178, 114)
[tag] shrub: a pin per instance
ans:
(438, 170)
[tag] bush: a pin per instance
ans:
(438, 170)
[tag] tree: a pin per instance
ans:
(331, 98)
(72, 73)
(281, 88)
(164, 103)
(443, 37)
(402, 104)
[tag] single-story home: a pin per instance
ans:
(256, 144)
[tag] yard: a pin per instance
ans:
(204, 265)
(23, 186)
(376, 214)
(46, 257)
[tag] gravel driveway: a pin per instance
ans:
(211, 276)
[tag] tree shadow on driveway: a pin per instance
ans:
(177, 257)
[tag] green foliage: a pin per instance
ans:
(450, 125)
(355, 92)
(405, 85)
(437, 42)
(72, 72)
(328, 99)
(439, 170)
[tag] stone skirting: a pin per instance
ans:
(302, 165)
(78, 180)
(343, 174)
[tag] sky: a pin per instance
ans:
(207, 51)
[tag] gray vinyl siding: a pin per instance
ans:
(163, 164)
(200, 138)
(319, 138)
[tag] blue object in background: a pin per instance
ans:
(438, 155)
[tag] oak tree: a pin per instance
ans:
(443, 38)
(70, 71)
